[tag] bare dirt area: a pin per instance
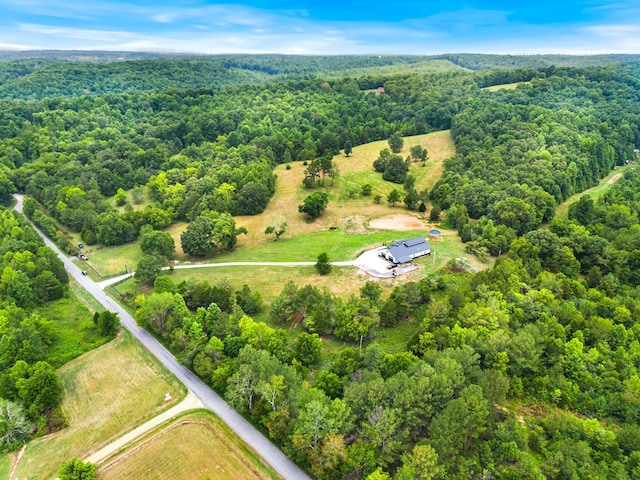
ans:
(615, 178)
(397, 222)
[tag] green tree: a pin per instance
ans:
(251, 199)
(29, 206)
(418, 152)
(156, 242)
(107, 323)
(314, 204)
(211, 232)
(393, 197)
(278, 232)
(371, 291)
(455, 429)
(161, 312)
(41, 390)
(420, 464)
(323, 265)
(366, 189)
(308, 348)
(348, 148)
(515, 213)
(120, 197)
(411, 198)
(583, 211)
(396, 142)
(148, 268)
(137, 195)
(76, 469)
(7, 188)
(395, 169)
(197, 239)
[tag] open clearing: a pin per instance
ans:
(346, 213)
(342, 281)
(594, 192)
(505, 86)
(195, 446)
(398, 222)
(107, 392)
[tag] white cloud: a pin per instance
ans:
(15, 46)
(75, 33)
(613, 30)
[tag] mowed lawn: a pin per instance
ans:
(107, 392)
(344, 214)
(197, 445)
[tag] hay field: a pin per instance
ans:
(195, 446)
(107, 392)
(354, 171)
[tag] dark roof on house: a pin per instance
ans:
(403, 250)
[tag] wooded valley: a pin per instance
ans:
(529, 369)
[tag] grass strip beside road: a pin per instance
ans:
(6, 462)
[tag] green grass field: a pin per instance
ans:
(6, 462)
(594, 192)
(505, 86)
(107, 392)
(76, 331)
(196, 445)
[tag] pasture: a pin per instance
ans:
(196, 445)
(107, 392)
(346, 213)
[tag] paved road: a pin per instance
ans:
(269, 452)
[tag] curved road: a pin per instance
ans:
(269, 452)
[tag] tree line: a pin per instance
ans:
(30, 339)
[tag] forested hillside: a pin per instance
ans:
(198, 150)
(528, 370)
(37, 75)
(521, 152)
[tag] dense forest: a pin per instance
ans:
(526, 370)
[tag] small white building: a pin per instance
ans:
(406, 250)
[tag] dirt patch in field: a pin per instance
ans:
(397, 222)
(354, 224)
(615, 178)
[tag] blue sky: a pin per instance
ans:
(324, 27)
